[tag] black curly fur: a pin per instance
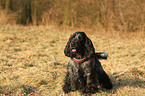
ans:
(87, 75)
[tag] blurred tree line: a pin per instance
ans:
(121, 15)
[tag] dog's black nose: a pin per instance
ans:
(72, 44)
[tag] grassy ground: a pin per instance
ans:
(32, 62)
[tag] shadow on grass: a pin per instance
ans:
(134, 82)
(19, 90)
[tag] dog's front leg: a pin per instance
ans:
(67, 82)
(70, 83)
(91, 83)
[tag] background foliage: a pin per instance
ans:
(119, 15)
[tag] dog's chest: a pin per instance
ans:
(77, 66)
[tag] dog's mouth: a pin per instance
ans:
(74, 50)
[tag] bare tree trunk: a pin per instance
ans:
(66, 12)
(34, 11)
(7, 4)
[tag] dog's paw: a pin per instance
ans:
(66, 88)
(90, 89)
(108, 85)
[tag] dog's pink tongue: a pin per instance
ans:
(73, 50)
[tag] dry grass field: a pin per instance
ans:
(32, 61)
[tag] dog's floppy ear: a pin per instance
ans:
(89, 50)
(67, 50)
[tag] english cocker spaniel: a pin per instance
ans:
(84, 71)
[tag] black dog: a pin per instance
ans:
(84, 71)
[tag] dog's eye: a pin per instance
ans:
(80, 38)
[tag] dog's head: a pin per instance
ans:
(79, 43)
